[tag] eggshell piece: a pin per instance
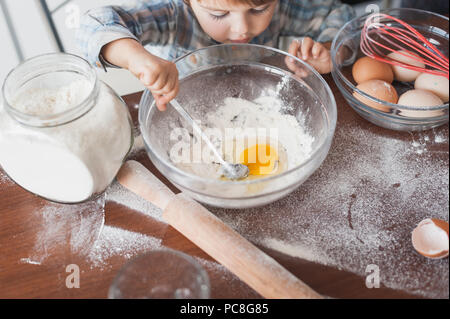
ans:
(401, 73)
(439, 85)
(377, 89)
(366, 69)
(431, 238)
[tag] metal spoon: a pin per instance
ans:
(229, 170)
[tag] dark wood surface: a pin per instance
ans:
(21, 232)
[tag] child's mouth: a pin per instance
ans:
(246, 40)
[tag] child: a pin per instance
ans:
(114, 36)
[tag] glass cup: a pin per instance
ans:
(161, 274)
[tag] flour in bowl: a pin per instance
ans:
(240, 123)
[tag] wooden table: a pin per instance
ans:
(36, 245)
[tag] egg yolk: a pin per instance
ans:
(259, 158)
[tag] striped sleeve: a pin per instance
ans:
(318, 19)
(148, 22)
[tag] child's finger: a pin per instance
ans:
(294, 47)
(146, 78)
(160, 83)
(159, 105)
(171, 84)
(306, 46)
(168, 97)
(171, 92)
(317, 50)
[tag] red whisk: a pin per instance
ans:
(380, 33)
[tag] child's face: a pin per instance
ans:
(227, 22)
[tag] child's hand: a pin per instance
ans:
(158, 75)
(313, 53)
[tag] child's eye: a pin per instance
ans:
(259, 11)
(218, 16)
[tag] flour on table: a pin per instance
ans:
(115, 241)
(119, 194)
(59, 226)
(359, 208)
(4, 179)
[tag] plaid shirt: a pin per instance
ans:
(172, 24)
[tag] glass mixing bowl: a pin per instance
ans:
(345, 50)
(207, 77)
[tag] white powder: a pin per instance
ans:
(45, 101)
(248, 123)
(119, 194)
(69, 162)
(114, 241)
(65, 229)
(359, 208)
(4, 179)
(225, 284)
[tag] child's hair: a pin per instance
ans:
(249, 2)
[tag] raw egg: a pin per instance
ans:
(366, 69)
(377, 89)
(260, 159)
(439, 85)
(401, 73)
(430, 238)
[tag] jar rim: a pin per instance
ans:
(56, 119)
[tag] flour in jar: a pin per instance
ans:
(72, 161)
(239, 123)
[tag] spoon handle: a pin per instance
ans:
(198, 130)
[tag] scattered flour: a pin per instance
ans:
(119, 194)
(138, 145)
(59, 227)
(439, 139)
(299, 250)
(359, 208)
(4, 179)
(115, 241)
(230, 285)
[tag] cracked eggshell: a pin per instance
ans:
(430, 238)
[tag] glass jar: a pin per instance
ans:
(64, 134)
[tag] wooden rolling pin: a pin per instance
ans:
(245, 260)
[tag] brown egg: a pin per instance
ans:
(366, 69)
(430, 238)
(401, 73)
(377, 89)
(420, 98)
(439, 85)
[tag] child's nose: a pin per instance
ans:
(240, 25)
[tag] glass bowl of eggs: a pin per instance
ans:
(259, 107)
(391, 96)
